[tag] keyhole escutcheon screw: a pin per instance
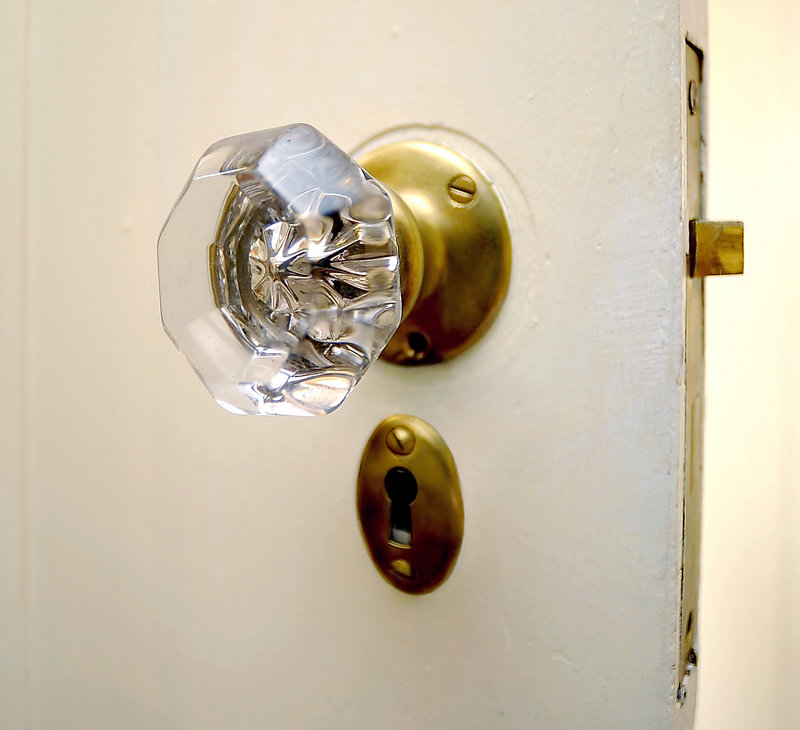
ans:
(401, 440)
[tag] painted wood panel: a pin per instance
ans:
(13, 240)
(188, 568)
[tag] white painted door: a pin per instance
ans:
(168, 565)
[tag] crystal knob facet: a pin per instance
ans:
(278, 272)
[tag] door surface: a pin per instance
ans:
(168, 565)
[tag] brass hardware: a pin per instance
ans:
(694, 96)
(401, 440)
(409, 245)
(412, 536)
(403, 567)
(693, 404)
(462, 189)
(465, 264)
(716, 247)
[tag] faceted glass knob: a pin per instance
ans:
(278, 272)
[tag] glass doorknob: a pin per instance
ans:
(285, 267)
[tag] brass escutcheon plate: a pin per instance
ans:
(415, 547)
(466, 248)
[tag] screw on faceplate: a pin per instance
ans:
(401, 440)
(694, 97)
(461, 189)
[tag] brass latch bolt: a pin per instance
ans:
(716, 247)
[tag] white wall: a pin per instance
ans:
(749, 660)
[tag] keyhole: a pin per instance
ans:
(401, 486)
